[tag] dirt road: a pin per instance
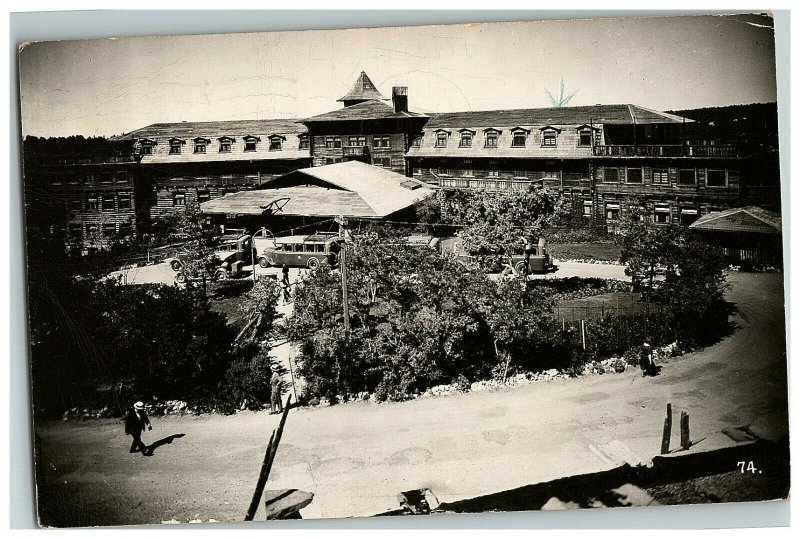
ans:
(357, 457)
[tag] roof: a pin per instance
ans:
(594, 114)
(737, 220)
(213, 130)
(363, 89)
(351, 189)
(368, 110)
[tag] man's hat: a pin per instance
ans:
(139, 405)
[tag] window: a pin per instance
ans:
(122, 176)
(109, 230)
(200, 145)
(416, 142)
(108, 202)
(466, 140)
(612, 211)
(203, 195)
(304, 142)
(89, 178)
(519, 139)
(250, 143)
(520, 173)
(146, 149)
(106, 177)
(225, 144)
(381, 142)
(75, 230)
(611, 175)
(275, 144)
(491, 139)
(587, 208)
(716, 178)
(179, 199)
(492, 171)
(549, 138)
(634, 175)
(124, 201)
(660, 175)
(333, 142)
(175, 146)
(385, 162)
(661, 215)
(357, 141)
(585, 137)
(687, 177)
(441, 139)
(466, 168)
(92, 203)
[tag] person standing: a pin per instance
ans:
(275, 394)
(646, 362)
(135, 423)
(285, 283)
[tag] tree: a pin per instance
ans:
(563, 98)
(501, 223)
(673, 267)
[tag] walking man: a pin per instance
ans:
(275, 394)
(285, 282)
(135, 422)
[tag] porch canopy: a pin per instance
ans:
(749, 219)
(351, 189)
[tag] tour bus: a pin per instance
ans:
(313, 251)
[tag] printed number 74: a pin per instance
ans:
(747, 466)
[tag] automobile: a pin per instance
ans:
(230, 256)
(311, 251)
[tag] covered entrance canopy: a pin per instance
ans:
(351, 189)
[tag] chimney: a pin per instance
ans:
(400, 98)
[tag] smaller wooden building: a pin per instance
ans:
(747, 235)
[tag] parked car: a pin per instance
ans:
(230, 256)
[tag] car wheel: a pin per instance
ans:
(520, 267)
(180, 277)
(175, 265)
(263, 262)
(312, 263)
(220, 275)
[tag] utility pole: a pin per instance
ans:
(343, 267)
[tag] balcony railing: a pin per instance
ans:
(355, 150)
(487, 184)
(663, 150)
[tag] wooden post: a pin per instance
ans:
(583, 334)
(266, 466)
(667, 431)
(686, 441)
(343, 263)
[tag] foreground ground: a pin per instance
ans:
(357, 457)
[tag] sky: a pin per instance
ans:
(111, 86)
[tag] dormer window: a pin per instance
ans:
(549, 135)
(250, 142)
(466, 138)
(491, 138)
(276, 143)
(519, 137)
(441, 138)
(146, 146)
(225, 144)
(304, 143)
(175, 145)
(584, 137)
(416, 142)
(200, 144)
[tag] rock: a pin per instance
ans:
(196, 521)
(171, 521)
(551, 372)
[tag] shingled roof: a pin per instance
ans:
(597, 114)
(362, 90)
(213, 130)
(737, 220)
(368, 110)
